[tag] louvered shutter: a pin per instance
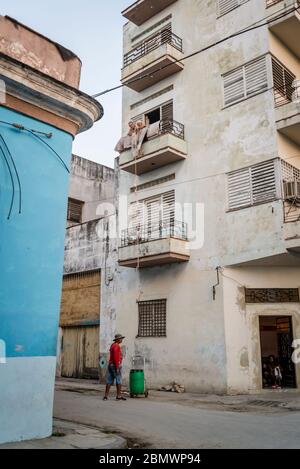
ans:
(74, 210)
(239, 189)
(245, 81)
(263, 182)
(234, 87)
(225, 6)
(256, 76)
(283, 83)
(168, 208)
(253, 185)
(167, 117)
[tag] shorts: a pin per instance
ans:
(112, 375)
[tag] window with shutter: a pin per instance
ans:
(74, 210)
(245, 81)
(256, 184)
(282, 82)
(225, 6)
(156, 212)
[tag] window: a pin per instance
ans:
(225, 6)
(163, 113)
(156, 212)
(74, 210)
(245, 81)
(152, 318)
(283, 83)
(256, 184)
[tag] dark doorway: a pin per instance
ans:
(276, 336)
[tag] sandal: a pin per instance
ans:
(121, 398)
(105, 398)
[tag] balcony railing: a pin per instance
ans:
(171, 127)
(283, 80)
(163, 37)
(290, 191)
(153, 232)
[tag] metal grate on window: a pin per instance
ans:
(272, 295)
(74, 210)
(283, 83)
(152, 318)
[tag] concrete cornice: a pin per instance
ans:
(37, 89)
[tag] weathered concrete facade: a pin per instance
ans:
(212, 339)
(89, 263)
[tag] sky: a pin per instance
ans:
(92, 29)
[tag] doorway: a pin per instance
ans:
(80, 352)
(276, 338)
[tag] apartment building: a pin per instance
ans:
(208, 286)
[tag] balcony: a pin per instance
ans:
(288, 112)
(152, 61)
(143, 10)
(154, 244)
(167, 147)
(287, 25)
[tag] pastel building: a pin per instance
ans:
(41, 111)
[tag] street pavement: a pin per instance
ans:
(166, 420)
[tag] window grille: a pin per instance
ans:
(152, 318)
(271, 295)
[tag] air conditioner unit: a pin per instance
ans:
(291, 190)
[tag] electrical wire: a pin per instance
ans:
(252, 27)
(16, 171)
(36, 134)
(12, 183)
(49, 146)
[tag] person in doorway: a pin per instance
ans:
(278, 374)
(114, 372)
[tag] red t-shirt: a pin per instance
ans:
(115, 355)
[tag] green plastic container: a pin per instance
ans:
(137, 382)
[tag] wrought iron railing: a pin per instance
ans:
(290, 176)
(154, 231)
(270, 3)
(172, 127)
(283, 80)
(163, 37)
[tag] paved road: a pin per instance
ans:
(163, 424)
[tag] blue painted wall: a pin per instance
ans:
(32, 243)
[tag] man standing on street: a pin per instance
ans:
(114, 371)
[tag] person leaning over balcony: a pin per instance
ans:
(114, 372)
(126, 142)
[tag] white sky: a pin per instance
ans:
(92, 29)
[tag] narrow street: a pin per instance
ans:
(168, 421)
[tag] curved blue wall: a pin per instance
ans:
(32, 243)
